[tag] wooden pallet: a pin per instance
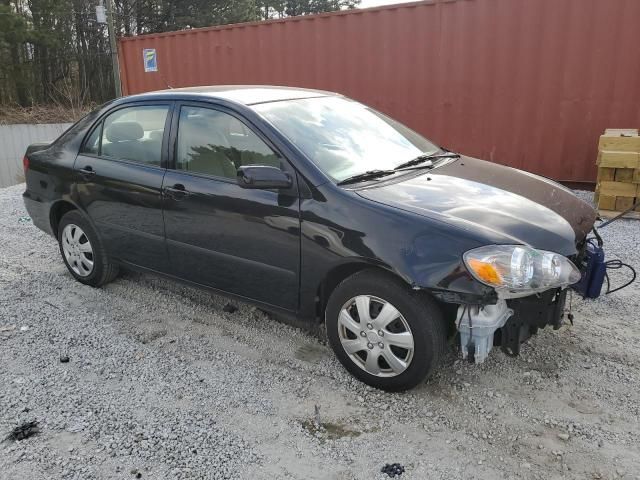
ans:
(618, 182)
(609, 214)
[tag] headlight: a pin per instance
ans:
(518, 270)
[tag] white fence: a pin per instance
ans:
(14, 140)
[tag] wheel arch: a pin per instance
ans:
(56, 213)
(59, 209)
(338, 274)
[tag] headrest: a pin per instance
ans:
(124, 131)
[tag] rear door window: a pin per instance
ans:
(133, 134)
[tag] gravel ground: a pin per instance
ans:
(161, 383)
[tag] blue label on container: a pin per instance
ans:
(150, 59)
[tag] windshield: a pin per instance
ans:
(343, 137)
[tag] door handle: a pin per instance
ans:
(177, 192)
(87, 172)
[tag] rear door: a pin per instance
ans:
(119, 174)
(245, 242)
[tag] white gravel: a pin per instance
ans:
(162, 384)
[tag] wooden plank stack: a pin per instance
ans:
(618, 183)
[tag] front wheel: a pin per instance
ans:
(83, 252)
(383, 333)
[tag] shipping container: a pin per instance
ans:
(526, 83)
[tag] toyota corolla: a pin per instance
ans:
(314, 207)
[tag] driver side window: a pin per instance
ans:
(216, 143)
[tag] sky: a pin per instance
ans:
(377, 3)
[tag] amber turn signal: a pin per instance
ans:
(485, 272)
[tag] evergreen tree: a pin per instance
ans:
(54, 51)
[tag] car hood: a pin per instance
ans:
(502, 204)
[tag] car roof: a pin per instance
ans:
(244, 94)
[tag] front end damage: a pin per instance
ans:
(530, 315)
(508, 323)
(530, 290)
(511, 321)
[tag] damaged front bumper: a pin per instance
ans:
(511, 322)
(508, 323)
(531, 314)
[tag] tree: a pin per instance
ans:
(288, 8)
(54, 51)
(13, 35)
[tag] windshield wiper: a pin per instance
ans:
(427, 160)
(369, 175)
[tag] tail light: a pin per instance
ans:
(25, 164)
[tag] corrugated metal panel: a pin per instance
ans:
(14, 140)
(526, 83)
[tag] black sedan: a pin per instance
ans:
(318, 208)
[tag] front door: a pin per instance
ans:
(245, 242)
(119, 174)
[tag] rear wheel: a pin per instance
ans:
(82, 251)
(383, 333)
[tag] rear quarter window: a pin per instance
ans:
(81, 125)
(92, 143)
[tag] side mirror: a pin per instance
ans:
(263, 177)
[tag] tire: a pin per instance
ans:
(75, 252)
(417, 314)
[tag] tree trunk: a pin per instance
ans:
(22, 95)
